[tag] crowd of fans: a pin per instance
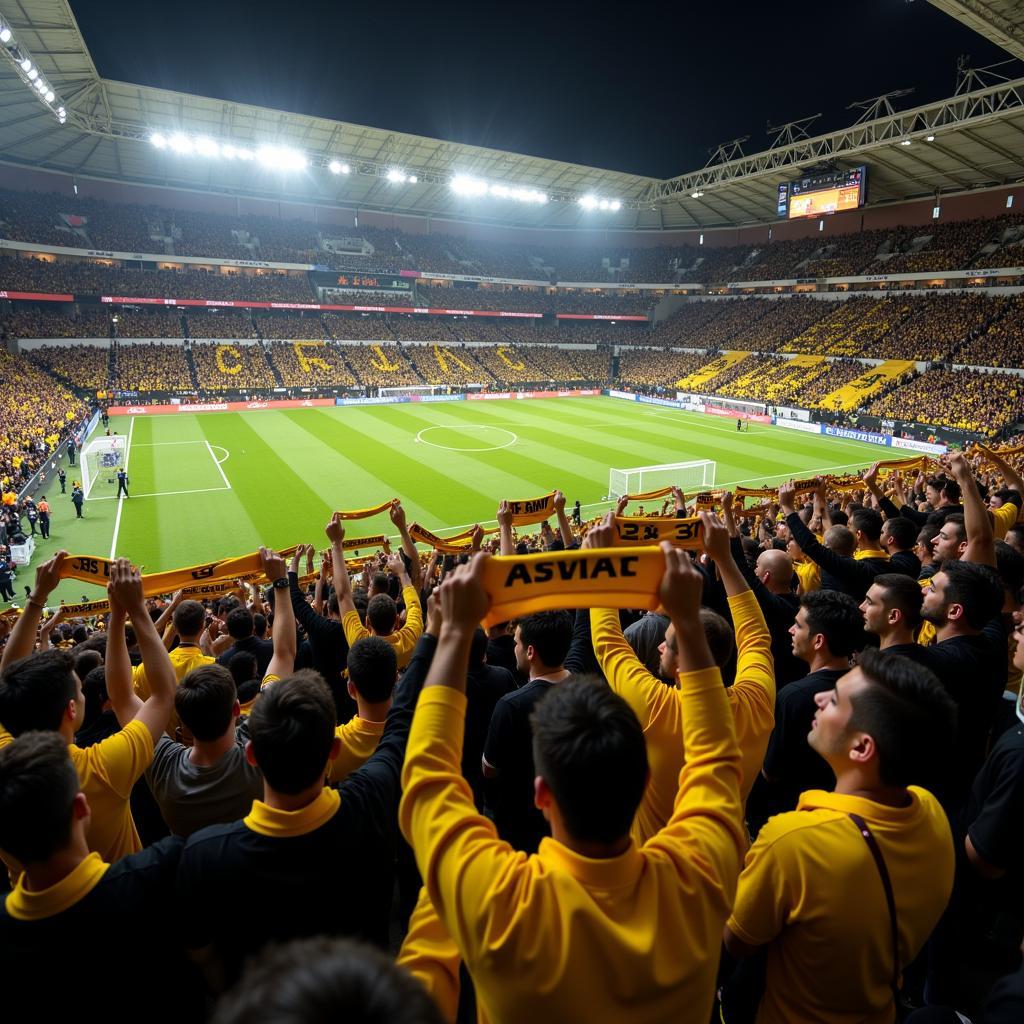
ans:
(961, 399)
(152, 366)
(292, 326)
(221, 324)
(658, 368)
(47, 323)
(776, 774)
(77, 366)
(1002, 344)
(537, 301)
(141, 322)
(942, 246)
(834, 375)
(36, 412)
(310, 364)
(232, 367)
(383, 365)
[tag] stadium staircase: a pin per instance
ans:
(867, 385)
(697, 380)
(270, 362)
(191, 365)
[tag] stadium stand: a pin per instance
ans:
(1002, 344)
(309, 364)
(222, 324)
(382, 365)
(78, 366)
(132, 322)
(152, 367)
(227, 367)
(292, 326)
(658, 368)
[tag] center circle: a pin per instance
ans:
(512, 438)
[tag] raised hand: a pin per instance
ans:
(602, 535)
(464, 602)
(124, 588)
(272, 564)
(681, 587)
(335, 529)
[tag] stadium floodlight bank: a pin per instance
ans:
(101, 459)
(699, 473)
(413, 389)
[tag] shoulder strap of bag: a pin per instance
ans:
(883, 871)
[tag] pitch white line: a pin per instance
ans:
(220, 469)
(166, 494)
(120, 499)
(163, 444)
(220, 448)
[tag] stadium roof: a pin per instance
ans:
(972, 140)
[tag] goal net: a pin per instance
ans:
(101, 459)
(699, 473)
(413, 389)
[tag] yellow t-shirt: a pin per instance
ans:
(543, 935)
(1003, 518)
(809, 575)
(811, 891)
(106, 772)
(183, 660)
(403, 640)
(359, 739)
(658, 707)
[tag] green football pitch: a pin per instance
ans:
(212, 485)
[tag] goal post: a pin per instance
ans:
(698, 473)
(101, 458)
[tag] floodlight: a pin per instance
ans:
(588, 202)
(5, 34)
(413, 179)
(501, 191)
(206, 146)
(180, 143)
(50, 96)
(39, 85)
(61, 112)
(616, 205)
(464, 185)
(280, 158)
(334, 167)
(929, 138)
(33, 74)
(26, 65)
(696, 195)
(395, 176)
(905, 142)
(345, 169)
(603, 204)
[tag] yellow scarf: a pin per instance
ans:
(532, 510)
(365, 513)
(661, 492)
(907, 465)
(683, 533)
(458, 545)
(756, 492)
(354, 543)
(589, 578)
(93, 569)
(1003, 453)
(707, 500)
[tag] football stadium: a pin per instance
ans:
(457, 566)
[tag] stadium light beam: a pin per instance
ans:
(157, 138)
(5, 34)
(207, 147)
(589, 202)
(26, 65)
(696, 195)
(395, 176)
(337, 167)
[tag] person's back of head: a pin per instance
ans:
(243, 668)
(326, 981)
(907, 713)
(549, 634)
(189, 619)
(291, 728)
(899, 533)
(840, 540)
(85, 662)
(38, 790)
(373, 669)
(589, 749)
(951, 492)
(239, 624)
(206, 702)
(80, 633)
(839, 517)
(94, 690)
(382, 614)
(1015, 537)
(775, 570)
(38, 692)
(867, 527)
(1010, 566)
(719, 636)
(836, 617)
(259, 625)
(334, 607)
(379, 584)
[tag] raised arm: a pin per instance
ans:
(563, 522)
(22, 640)
(504, 516)
(342, 585)
(981, 544)
(398, 517)
(125, 593)
(47, 628)
(282, 663)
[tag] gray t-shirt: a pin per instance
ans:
(191, 796)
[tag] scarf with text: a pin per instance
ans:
(365, 513)
(916, 463)
(532, 510)
(93, 569)
(589, 578)
(706, 501)
(1003, 453)
(756, 492)
(683, 533)
(355, 543)
(458, 544)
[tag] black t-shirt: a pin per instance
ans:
(789, 761)
(262, 650)
(239, 889)
(485, 686)
(509, 749)
(126, 927)
(501, 651)
(994, 817)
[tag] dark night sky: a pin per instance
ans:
(648, 88)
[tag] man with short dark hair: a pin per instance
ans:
(240, 627)
(209, 782)
(542, 643)
(811, 890)
(288, 853)
(892, 612)
(899, 537)
(591, 925)
(827, 631)
(118, 918)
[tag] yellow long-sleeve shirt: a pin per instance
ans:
(559, 936)
(403, 640)
(660, 707)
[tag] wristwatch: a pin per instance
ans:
(280, 583)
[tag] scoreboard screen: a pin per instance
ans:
(819, 194)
